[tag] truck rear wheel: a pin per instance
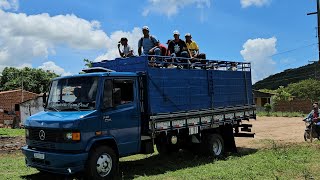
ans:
(215, 145)
(102, 163)
(165, 147)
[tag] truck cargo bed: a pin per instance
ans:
(177, 90)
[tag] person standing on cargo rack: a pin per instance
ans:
(127, 50)
(148, 43)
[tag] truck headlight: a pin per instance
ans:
(68, 136)
(72, 136)
(27, 133)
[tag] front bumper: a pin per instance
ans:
(61, 163)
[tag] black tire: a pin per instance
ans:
(102, 164)
(215, 145)
(165, 147)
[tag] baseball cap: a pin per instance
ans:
(188, 35)
(176, 32)
(123, 39)
(145, 28)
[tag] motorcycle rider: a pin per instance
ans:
(314, 116)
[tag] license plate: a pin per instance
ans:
(38, 156)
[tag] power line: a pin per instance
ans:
(298, 48)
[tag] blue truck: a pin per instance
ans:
(128, 106)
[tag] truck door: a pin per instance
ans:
(120, 115)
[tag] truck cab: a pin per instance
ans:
(80, 111)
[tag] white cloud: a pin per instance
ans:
(112, 49)
(26, 37)
(51, 66)
(9, 4)
(172, 7)
(258, 3)
(258, 52)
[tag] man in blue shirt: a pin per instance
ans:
(148, 43)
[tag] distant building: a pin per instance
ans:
(10, 100)
(262, 98)
(30, 107)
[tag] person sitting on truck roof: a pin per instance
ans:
(178, 47)
(127, 50)
(148, 43)
(193, 47)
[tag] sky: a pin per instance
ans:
(57, 35)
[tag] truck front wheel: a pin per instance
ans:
(102, 163)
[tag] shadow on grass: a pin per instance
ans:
(153, 165)
(157, 164)
(49, 176)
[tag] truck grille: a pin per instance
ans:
(50, 135)
(42, 144)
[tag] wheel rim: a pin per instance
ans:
(217, 147)
(104, 165)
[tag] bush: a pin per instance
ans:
(281, 114)
(267, 108)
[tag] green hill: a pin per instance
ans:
(289, 76)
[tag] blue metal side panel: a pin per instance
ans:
(172, 90)
(132, 64)
(232, 88)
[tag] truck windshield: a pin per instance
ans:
(73, 94)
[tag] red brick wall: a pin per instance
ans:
(8, 99)
(295, 105)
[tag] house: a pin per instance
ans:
(30, 107)
(261, 98)
(10, 100)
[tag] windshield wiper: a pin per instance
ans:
(73, 108)
(52, 108)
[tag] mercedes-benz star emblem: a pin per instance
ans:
(42, 135)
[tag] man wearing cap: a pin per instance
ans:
(178, 47)
(127, 50)
(149, 43)
(193, 47)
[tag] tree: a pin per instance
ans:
(281, 95)
(33, 80)
(88, 63)
(305, 89)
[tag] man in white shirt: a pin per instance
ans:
(127, 50)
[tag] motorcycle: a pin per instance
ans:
(311, 131)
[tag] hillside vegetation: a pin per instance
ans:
(289, 76)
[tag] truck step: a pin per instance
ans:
(143, 138)
(246, 129)
(245, 125)
(244, 135)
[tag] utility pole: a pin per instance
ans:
(318, 27)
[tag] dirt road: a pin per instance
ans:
(279, 129)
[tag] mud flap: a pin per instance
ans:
(228, 137)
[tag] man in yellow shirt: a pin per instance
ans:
(193, 47)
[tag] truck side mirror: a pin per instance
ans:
(44, 98)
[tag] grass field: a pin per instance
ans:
(293, 161)
(11, 132)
